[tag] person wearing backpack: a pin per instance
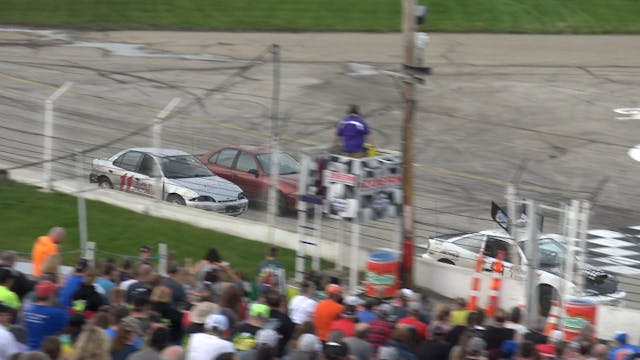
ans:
(271, 274)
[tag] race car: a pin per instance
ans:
(171, 175)
(249, 167)
(463, 249)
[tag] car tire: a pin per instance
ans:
(176, 199)
(105, 183)
(446, 261)
(546, 293)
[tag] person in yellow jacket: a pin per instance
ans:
(46, 245)
(8, 297)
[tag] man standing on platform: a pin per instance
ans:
(354, 132)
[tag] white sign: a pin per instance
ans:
(632, 113)
(635, 153)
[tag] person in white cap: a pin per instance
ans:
(210, 344)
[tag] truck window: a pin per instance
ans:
(494, 245)
(471, 243)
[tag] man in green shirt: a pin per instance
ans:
(7, 296)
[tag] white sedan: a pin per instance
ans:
(171, 175)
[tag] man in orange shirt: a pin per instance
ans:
(45, 246)
(327, 311)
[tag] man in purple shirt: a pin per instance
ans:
(354, 133)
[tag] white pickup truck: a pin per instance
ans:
(438, 257)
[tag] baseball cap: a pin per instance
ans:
(145, 248)
(310, 343)
(408, 293)
(259, 310)
(216, 322)
(201, 310)
(335, 349)
(46, 288)
(267, 336)
(353, 300)
(621, 337)
(509, 348)
(333, 289)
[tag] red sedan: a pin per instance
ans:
(248, 166)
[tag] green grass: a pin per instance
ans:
(27, 213)
(517, 16)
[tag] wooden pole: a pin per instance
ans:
(408, 93)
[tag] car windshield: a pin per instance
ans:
(183, 166)
(286, 162)
(551, 253)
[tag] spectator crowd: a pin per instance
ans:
(207, 311)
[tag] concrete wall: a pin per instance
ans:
(441, 278)
(610, 319)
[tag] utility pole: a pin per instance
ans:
(412, 74)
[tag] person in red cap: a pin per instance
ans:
(328, 310)
(42, 319)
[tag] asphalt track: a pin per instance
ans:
(533, 110)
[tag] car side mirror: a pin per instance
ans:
(254, 172)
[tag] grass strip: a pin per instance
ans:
(27, 213)
(501, 16)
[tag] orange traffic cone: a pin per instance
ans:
(496, 283)
(552, 319)
(475, 283)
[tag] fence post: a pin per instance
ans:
(162, 259)
(90, 252)
(47, 142)
(82, 206)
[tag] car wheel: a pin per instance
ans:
(176, 199)
(446, 261)
(105, 183)
(546, 293)
(282, 204)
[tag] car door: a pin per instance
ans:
(248, 182)
(148, 178)
(464, 250)
(223, 161)
(125, 169)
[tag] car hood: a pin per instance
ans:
(218, 188)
